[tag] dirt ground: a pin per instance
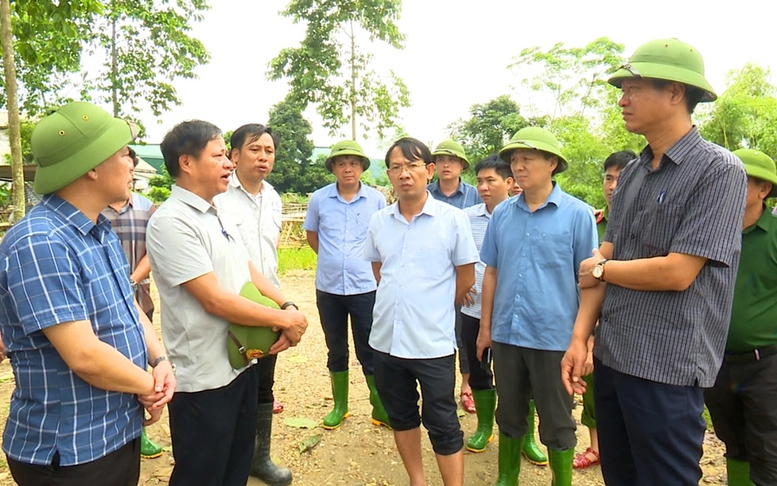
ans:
(357, 453)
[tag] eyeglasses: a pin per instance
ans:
(397, 169)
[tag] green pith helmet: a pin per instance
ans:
(346, 147)
(538, 139)
(760, 166)
(245, 343)
(73, 140)
(667, 59)
(452, 147)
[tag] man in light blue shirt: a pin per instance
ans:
(533, 248)
(336, 226)
(423, 256)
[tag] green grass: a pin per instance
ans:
(707, 418)
(303, 258)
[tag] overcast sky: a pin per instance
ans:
(456, 52)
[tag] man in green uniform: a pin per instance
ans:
(742, 402)
(613, 165)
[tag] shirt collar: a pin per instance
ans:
(764, 222)
(679, 151)
(190, 198)
(235, 182)
(334, 192)
(436, 188)
(429, 208)
(73, 215)
(553, 198)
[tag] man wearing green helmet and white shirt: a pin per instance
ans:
(532, 249)
(662, 283)
(742, 402)
(336, 227)
(450, 160)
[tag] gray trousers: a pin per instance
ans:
(523, 373)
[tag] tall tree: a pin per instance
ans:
(331, 71)
(294, 171)
(9, 70)
(145, 45)
(489, 127)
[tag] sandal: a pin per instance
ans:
(277, 406)
(467, 402)
(582, 461)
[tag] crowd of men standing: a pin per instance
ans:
(636, 299)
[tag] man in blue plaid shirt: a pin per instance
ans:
(78, 343)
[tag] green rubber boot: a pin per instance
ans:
(509, 460)
(340, 394)
(379, 415)
(485, 403)
(738, 473)
(531, 450)
(148, 450)
(561, 466)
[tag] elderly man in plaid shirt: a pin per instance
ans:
(78, 344)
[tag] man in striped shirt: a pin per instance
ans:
(662, 282)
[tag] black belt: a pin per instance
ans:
(750, 356)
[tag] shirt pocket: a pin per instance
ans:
(661, 224)
(552, 249)
(428, 262)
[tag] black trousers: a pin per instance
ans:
(397, 381)
(650, 433)
(523, 373)
(334, 311)
(743, 407)
(213, 431)
(479, 379)
(265, 369)
(120, 468)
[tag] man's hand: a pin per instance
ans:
(296, 324)
(572, 365)
(585, 280)
(483, 342)
(282, 344)
(588, 366)
(154, 416)
(164, 384)
(2, 350)
(469, 298)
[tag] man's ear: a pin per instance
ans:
(185, 163)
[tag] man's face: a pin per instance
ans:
(448, 167)
(531, 169)
(115, 175)
(644, 106)
(347, 169)
(255, 159)
(610, 183)
(408, 177)
(757, 191)
(210, 171)
(492, 188)
(515, 189)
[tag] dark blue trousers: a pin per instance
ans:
(650, 433)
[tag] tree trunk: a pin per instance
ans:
(6, 35)
(353, 83)
(114, 74)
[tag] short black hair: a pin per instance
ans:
(619, 159)
(412, 149)
(495, 162)
(249, 133)
(693, 95)
(187, 138)
(134, 156)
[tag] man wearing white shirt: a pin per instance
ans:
(254, 206)
(423, 256)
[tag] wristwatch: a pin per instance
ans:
(134, 285)
(288, 304)
(598, 270)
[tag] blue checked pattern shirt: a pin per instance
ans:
(57, 266)
(478, 219)
(464, 197)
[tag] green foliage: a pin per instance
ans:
(745, 114)
(160, 186)
(145, 46)
(303, 258)
(331, 71)
(293, 170)
(489, 127)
